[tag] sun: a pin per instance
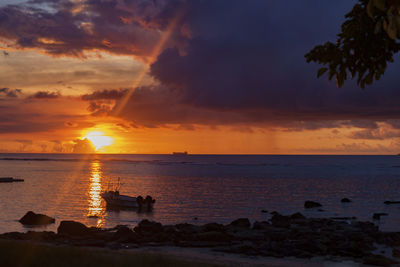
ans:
(99, 140)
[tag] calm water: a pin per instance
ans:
(209, 187)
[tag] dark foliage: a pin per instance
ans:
(362, 50)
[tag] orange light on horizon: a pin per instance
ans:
(99, 139)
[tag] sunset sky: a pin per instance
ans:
(156, 76)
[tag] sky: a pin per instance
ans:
(207, 77)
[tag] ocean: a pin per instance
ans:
(197, 188)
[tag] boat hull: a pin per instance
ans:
(115, 200)
(10, 180)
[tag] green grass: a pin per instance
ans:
(19, 253)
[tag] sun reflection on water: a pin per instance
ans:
(96, 206)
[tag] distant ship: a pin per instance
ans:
(179, 153)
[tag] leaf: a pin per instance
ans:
(391, 29)
(339, 80)
(378, 27)
(321, 71)
(380, 4)
(370, 9)
(385, 25)
(369, 78)
(397, 22)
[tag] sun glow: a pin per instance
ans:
(99, 140)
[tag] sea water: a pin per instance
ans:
(197, 188)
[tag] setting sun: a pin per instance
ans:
(98, 139)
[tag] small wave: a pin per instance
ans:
(158, 162)
(39, 159)
(248, 164)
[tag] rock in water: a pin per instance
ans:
(149, 227)
(242, 222)
(345, 200)
(387, 202)
(31, 218)
(311, 204)
(377, 216)
(72, 228)
(280, 221)
(297, 216)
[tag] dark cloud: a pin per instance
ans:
(74, 27)
(13, 93)
(375, 134)
(244, 64)
(44, 95)
(100, 108)
(35, 116)
(112, 94)
(70, 124)
(226, 63)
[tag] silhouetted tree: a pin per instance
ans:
(368, 40)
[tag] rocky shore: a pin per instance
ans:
(281, 236)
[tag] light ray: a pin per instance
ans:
(156, 52)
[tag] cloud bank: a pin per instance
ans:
(226, 62)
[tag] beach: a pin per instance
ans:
(151, 256)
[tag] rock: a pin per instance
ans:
(122, 232)
(209, 227)
(169, 229)
(378, 260)
(73, 228)
(248, 234)
(297, 216)
(261, 225)
(13, 236)
(280, 221)
(345, 200)
(387, 202)
(396, 253)
(40, 236)
(242, 222)
(311, 204)
(213, 236)
(188, 228)
(31, 218)
(149, 227)
(343, 218)
(377, 216)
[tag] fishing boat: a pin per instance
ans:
(114, 199)
(184, 153)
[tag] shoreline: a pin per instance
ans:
(278, 242)
(189, 256)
